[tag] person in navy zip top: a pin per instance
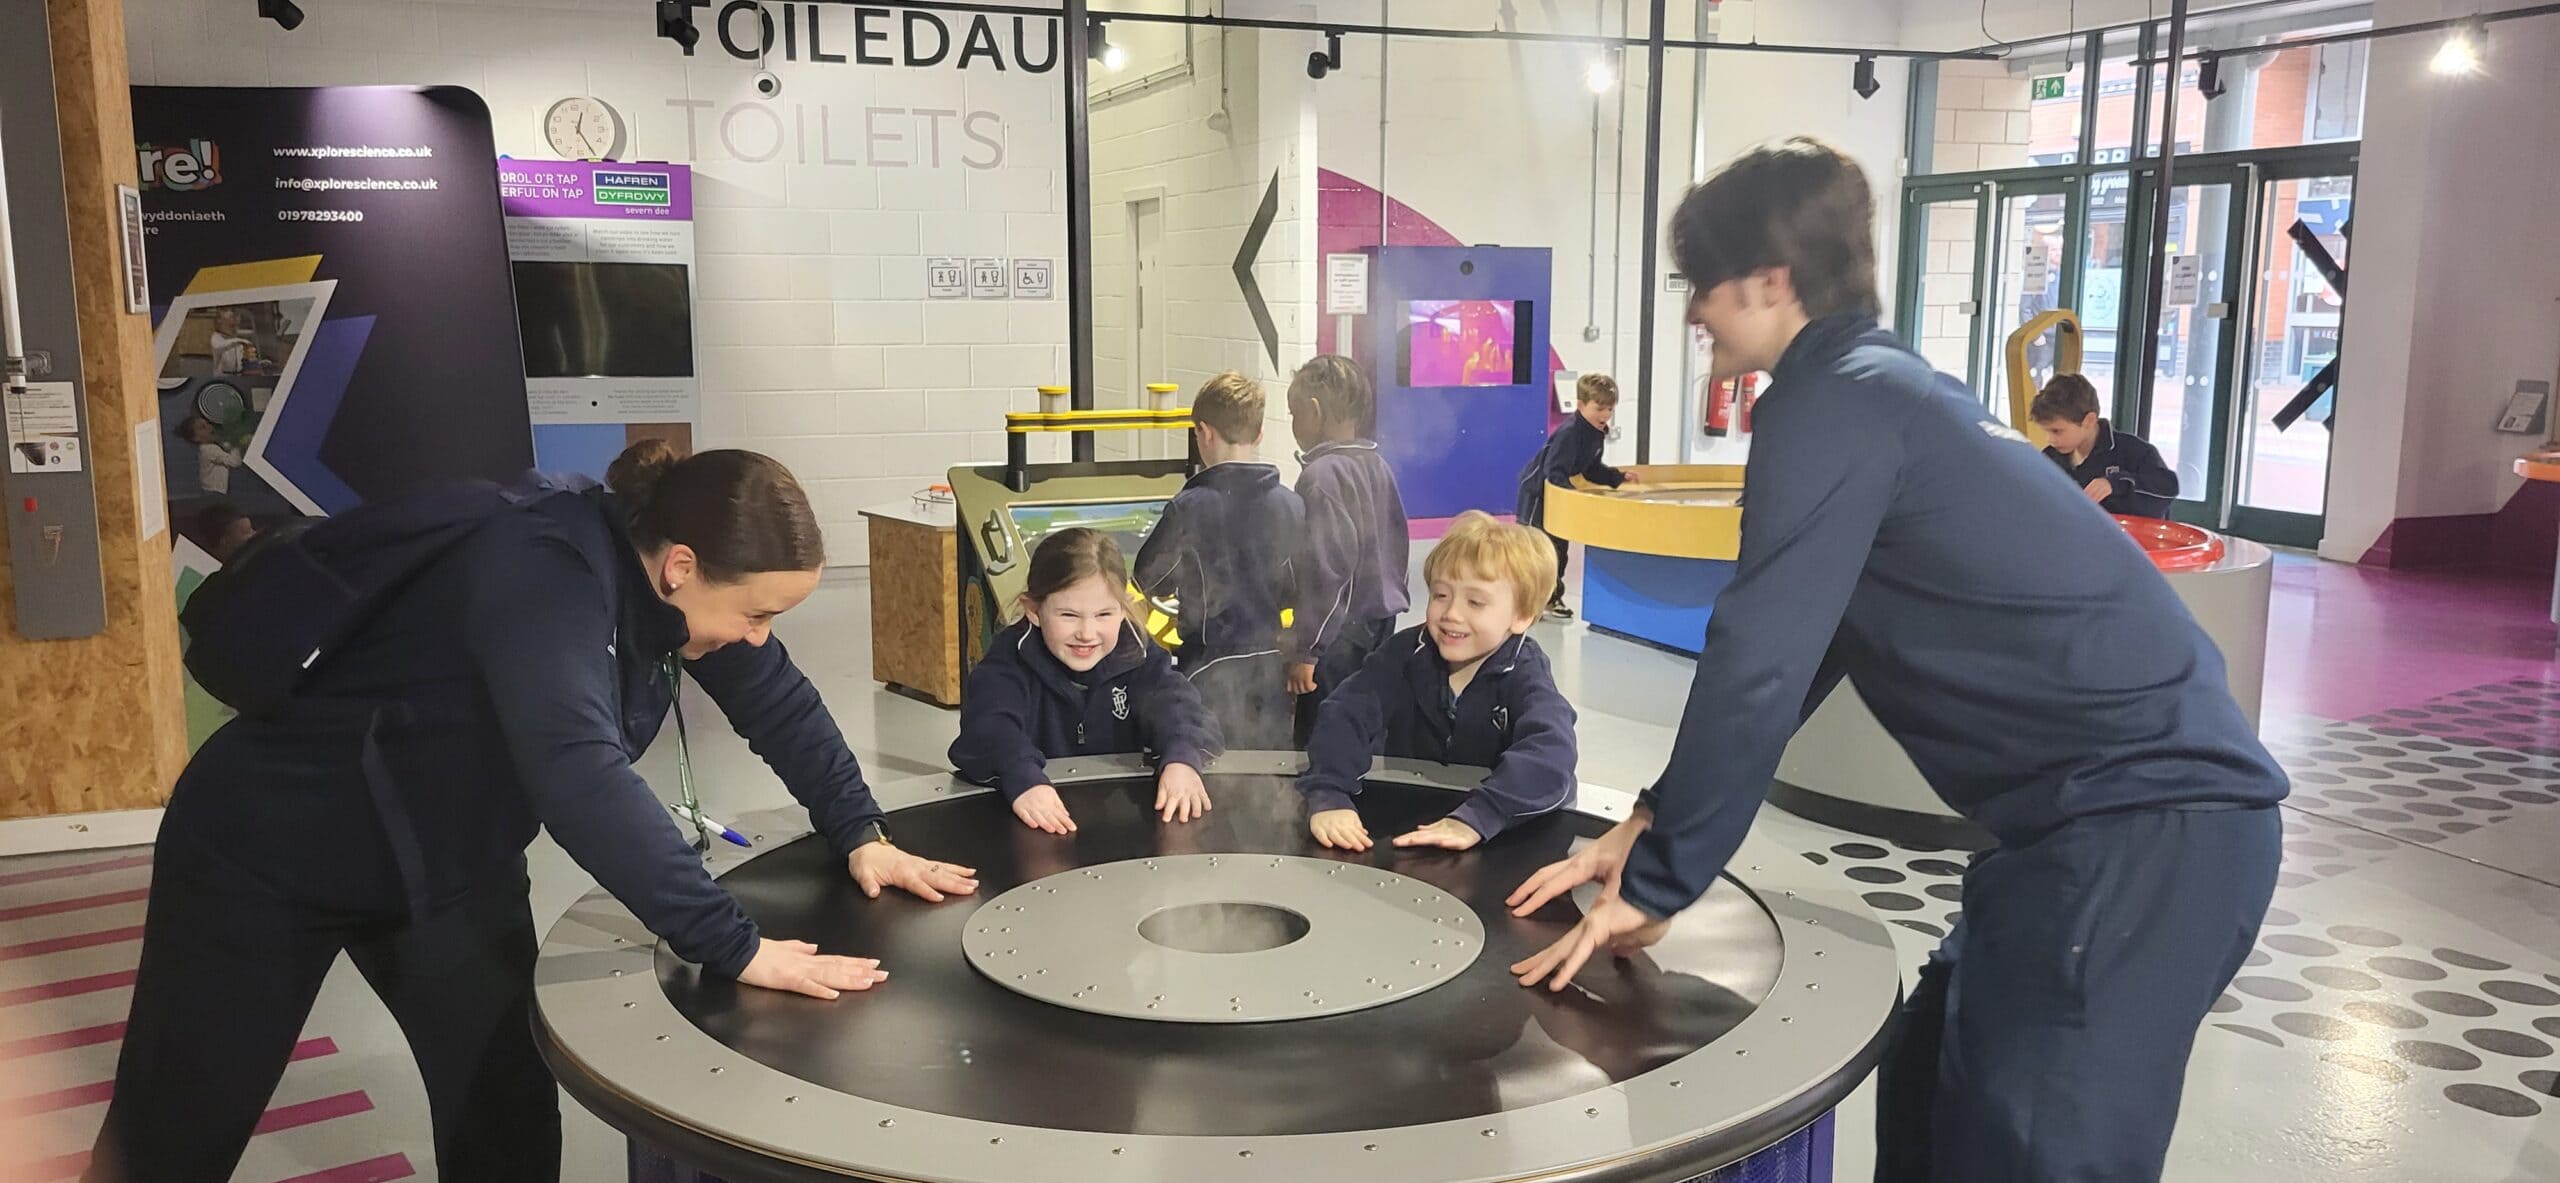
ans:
(1226, 551)
(1075, 677)
(1352, 574)
(2032, 663)
(1467, 686)
(1572, 451)
(2119, 470)
(384, 812)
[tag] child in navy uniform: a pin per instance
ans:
(1226, 549)
(1573, 451)
(2117, 469)
(1076, 678)
(1467, 686)
(1351, 576)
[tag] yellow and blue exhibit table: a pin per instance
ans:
(1657, 552)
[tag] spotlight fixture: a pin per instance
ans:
(2461, 52)
(1099, 49)
(285, 13)
(675, 23)
(2209, 81)
(1601, 76)
(1863, 78)
(1328, 61)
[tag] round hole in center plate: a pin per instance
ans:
(1223, 927)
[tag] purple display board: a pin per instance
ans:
(595, 189)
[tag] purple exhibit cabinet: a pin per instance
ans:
(1456, 342)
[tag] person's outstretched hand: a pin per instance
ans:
(1040, 809)
(1180, 797)
(1612, 924)
(1339, 829)
(1448, 834)
(877, 865)
(1600, 862)
(798, 967)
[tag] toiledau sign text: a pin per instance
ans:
(749, 31)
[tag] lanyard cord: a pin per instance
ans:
(684, 757)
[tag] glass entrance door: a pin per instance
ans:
(2030, 275)
(2184, 404)
(1945, 230)
(2280, 475)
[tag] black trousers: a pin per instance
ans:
(1562, 549)
(2047, 1039)
(229, 971)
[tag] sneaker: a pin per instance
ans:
(1556, 610)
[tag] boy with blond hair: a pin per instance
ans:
(1225, 549)
(1466, 686)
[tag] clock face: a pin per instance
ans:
(583, 128)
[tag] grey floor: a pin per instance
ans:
(2397, 1022)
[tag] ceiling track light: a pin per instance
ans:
(285, 13)
(675, 23)
(2462, 48)
(1328, 60)
(1863, 78)
(2209, 81)
(1099, 49)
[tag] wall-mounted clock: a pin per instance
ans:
(584, 127)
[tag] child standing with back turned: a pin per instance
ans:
(1226, 549)
(1351, 576)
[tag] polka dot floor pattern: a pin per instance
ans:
(2478, 1028)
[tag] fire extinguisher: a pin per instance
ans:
(1749, 396)
(1719, 419)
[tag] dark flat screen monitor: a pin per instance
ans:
(605, 320)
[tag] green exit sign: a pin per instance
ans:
(2047, 88)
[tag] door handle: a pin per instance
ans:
(2218, 310)
(1969, 308)
(995, 550)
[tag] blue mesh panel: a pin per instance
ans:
(1803, 1157)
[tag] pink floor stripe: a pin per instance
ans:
(38, 1045)
(76, 904)
(288, 1117)
(66, 988)
(283, 1117)
(103, 1091)
(77, 940)
(114, 864)
(372, 1170)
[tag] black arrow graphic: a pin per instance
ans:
(1245, 255)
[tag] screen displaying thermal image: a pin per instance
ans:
(1461, 343)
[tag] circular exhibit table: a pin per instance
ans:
(1225, 1000)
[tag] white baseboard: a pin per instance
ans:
(79, 831)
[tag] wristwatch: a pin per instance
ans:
(871, 832)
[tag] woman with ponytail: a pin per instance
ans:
(384, 810)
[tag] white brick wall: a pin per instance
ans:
(815, 341)
(1982, 119)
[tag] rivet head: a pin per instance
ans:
(1591, 1113)
(617, 973)
(1489, 1133)
(995, 1141)
(1786, 1018)
(1119, 1150)
(629, 1005)
(1244, 1154)
(1370, 1147)
(887, 1122)
(662, 1039)
(792, 1100)
(1813, 985)
(1675, 1084)
(717, 1071)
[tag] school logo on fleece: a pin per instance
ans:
(1120, 703)
(1502, 720)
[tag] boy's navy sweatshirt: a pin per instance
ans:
(508, 690)
(2026, 655)
(1573, 451)
(1226, 548)
(1358, 546)
(1511, 719)
(2144, 483)
(1022, 707)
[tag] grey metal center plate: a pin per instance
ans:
(1323, 938)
